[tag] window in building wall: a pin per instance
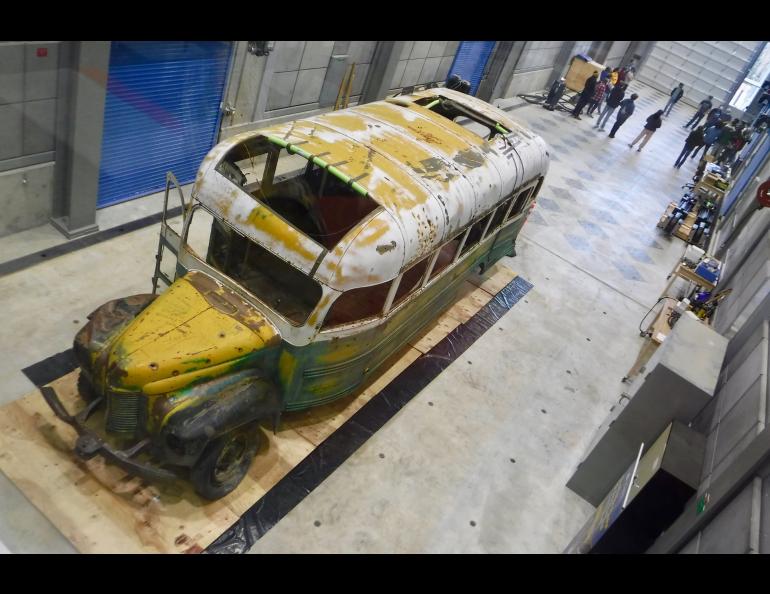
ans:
(751, 85)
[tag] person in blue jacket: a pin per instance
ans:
(703, 108)
(626, 111)
(710, 136)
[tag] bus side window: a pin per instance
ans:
(446, 255)
(521, 201)
(476, 234)
(357, 304)
(500, 213)
(411, 280)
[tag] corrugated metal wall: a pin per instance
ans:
(470, 60)
(161, 113)
(705, 67)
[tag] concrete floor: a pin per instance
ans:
(482, 468)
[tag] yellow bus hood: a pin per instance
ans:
(196, 329)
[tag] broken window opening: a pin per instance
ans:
(307, 196)
(469, 119)
(476, 234)
(276, 283)
(411, 280)
(357, 305)
(446, 255)
(521, 202)
(500, 213)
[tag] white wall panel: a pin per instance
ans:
(705, 67)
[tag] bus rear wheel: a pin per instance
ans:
(225, 461)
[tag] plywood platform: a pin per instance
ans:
(101, 509)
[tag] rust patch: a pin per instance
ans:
(469, 158)
(229, 303)
(381, 249)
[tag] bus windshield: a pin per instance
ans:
(277, 284)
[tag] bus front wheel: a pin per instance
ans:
(225, 461)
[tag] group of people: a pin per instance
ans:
(726, 137)
(609, 87)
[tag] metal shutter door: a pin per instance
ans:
(161, 113)
(470, 60)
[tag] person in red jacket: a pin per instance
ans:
(653, 123)
(602, 88)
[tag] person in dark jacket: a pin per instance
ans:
(626, 111)
(736, 144)
(725, 139)
(653, 123)
(713, 117)
(613, 100)
(676, 95)
(704, 106)
(694, 139)
(586, 95)
(710, 136)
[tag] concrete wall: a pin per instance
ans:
(25, 197)
(705, 67)
(289, 82)
(617, 51)
(736, 420)
(28, 96)
(534, 70)
(423, 62)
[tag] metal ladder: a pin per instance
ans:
(168, 237)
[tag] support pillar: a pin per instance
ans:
(82, 89)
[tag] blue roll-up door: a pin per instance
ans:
(161, 114)
(470, 60)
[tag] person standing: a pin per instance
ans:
(726, 135)
(713, 117)
(736, 144)
(613, 100)
(614, 76)
(598, 96)
(710, 136)
(694, 139)
(676, 95)
(626, 111)
(704, 106)
(605, 74)
(586, 95)
(653, 123)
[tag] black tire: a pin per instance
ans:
(85, 389)
(225, 461)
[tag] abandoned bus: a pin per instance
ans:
(311, 252)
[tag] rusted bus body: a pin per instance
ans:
(312, 251)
